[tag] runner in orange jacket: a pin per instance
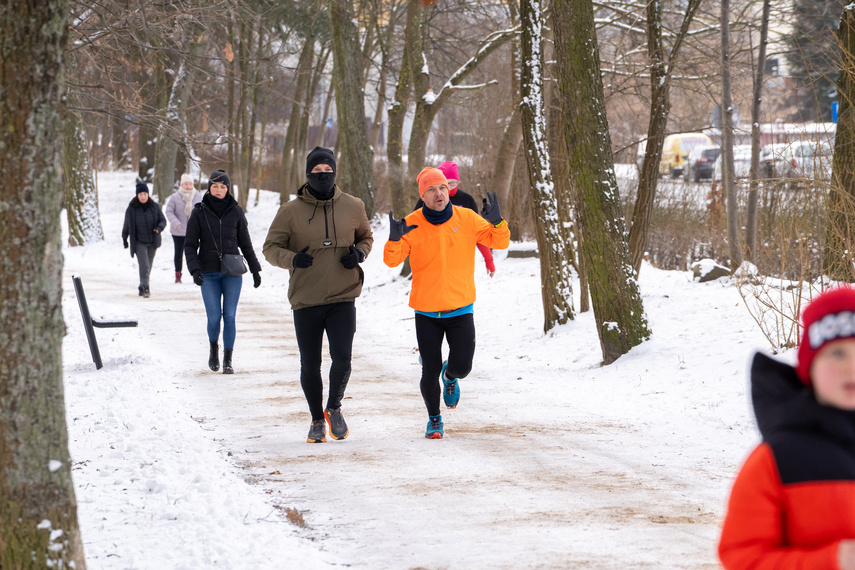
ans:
(440, 240)
(793, 502)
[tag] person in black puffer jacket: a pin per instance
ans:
(141, 233)
(217, 225)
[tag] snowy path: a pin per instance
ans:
(550, 461)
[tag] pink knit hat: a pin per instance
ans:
(450, 170)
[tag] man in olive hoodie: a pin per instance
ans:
(322, 237)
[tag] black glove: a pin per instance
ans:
(490, 210)
(197, 278)
(256, 280)
(302, 259)
(125, 243)
(398, 228)
(352, 259)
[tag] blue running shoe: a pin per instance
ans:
(434, 427)
(451, 389)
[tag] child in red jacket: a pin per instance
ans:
(793, 503)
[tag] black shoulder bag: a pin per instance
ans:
(230, 263)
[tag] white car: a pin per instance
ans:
(741, 163)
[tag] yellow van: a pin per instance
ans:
(676, 149)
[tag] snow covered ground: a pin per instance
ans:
(550, 461)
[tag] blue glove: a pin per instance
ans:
(398, 228)
(302, 259)
(490, 209)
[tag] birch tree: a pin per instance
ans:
(615, 298)
(38, 509)
(555, 268)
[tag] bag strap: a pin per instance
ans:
(207, 221)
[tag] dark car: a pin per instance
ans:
(700, 162)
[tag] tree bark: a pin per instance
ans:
(728, 183)
(289, 152)
(357, 174)
(81, 196)
(756, 173)
(38, 509)
(661, 69)
(402, 201)
(616, 300)
(174, 127)
(838, 257)
(556, 275)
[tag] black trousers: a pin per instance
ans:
(338, 320)
(460, 332)
(179, 251)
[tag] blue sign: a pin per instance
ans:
(834, 105)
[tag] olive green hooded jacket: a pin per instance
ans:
(328, 228)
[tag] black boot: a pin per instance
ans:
(141, 289)
(227, 361)
(146, 293)
(214, 358)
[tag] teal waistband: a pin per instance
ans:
(467, 310)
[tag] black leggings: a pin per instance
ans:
(460, 332)
(179, 251)
(339, 322)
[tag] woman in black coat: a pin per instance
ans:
(217, 226)
(143, 224)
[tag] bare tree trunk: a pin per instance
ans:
(565, 193)
(618, 309)
(38, 509)
(556, 285)
(289, 154)
(727, 180)
(756, 174)
(319, 140)
(81, 196)
(838, 257)
(174, 127)
(402, 201)
(152, 102)
(661, 68)
(358, 158)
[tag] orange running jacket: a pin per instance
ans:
(443, 257)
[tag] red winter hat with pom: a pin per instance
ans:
(829, 317)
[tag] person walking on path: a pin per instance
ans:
(793, 502)
(321, 238)
(218, 226)
(460, 198)
(141, 231)
(440, 241)
(178, 209)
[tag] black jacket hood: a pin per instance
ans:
(782, 403)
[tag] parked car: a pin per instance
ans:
(809, 160)
(700, 162)
(774, 159)
(741, 163)
(676, 149)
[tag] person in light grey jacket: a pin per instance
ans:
(178, 210)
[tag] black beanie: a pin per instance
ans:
(221, 177)
(319, 155)
(142, 187)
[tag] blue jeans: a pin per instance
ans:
(220, 294)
